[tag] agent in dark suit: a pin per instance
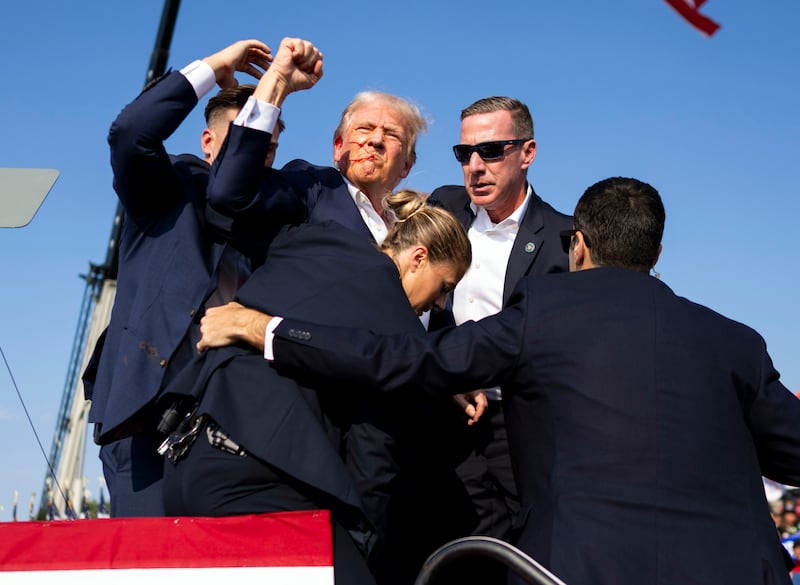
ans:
(167, 266)
(640, 423)
(269, 444)
(513, 233)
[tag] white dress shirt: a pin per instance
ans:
(480, 292)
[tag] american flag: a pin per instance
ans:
(283, 548)
(690, 10)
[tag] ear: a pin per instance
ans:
(658, 255)
(418, 257)
(581, 254)
(528, 153)
(206, 140)
(406, 169)
(338, 147)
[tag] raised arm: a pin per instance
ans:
(143, 175)
(239, 183)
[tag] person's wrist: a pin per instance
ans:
(274, 91)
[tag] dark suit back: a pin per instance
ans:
(329, 274)
(639, 423)
(655, 418)
(166, 258)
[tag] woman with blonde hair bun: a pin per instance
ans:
(268, 442)
(425, 238)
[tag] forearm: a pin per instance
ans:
(442, 362)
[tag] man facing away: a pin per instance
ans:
(640, 423)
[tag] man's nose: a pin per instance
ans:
(376, 136)
(476, 162)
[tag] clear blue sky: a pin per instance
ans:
(616, 88)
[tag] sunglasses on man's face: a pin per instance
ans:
(486, 150)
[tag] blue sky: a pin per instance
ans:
(616, 88)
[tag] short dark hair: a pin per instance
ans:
(522, 122)
(622, 221)
(232, 98)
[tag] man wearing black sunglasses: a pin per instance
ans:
(513, 233)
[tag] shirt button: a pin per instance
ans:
(162, 363)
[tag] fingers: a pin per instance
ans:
(481, 404)
(305, 56)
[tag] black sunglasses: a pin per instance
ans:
(486, 150)
(566, 239)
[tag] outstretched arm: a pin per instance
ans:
(477, 354)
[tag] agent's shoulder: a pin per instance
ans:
(450, 197)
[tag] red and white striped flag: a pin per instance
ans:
(286, 548)
(689, 9)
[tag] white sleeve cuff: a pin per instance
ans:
(201, 76)
(269, 337)
(258, 115)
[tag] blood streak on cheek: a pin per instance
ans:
(363, 158)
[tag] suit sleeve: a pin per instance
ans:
(774, 420)
(241, 187)
(249, 203)
(144, 178)
(473, 355)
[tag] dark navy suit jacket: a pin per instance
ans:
(325, 273)
(167, 257)
(240, 188)
(639, 423)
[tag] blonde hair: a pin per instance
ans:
(437, 229)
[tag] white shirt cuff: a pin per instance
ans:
(269, 337)
(201, 76)
(258, 115)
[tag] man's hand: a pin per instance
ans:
(473, 403)
(231, 323)
(297, 66)
(251, 57)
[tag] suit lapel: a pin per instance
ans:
(337, 205)
(526, 245)
(465, 215)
